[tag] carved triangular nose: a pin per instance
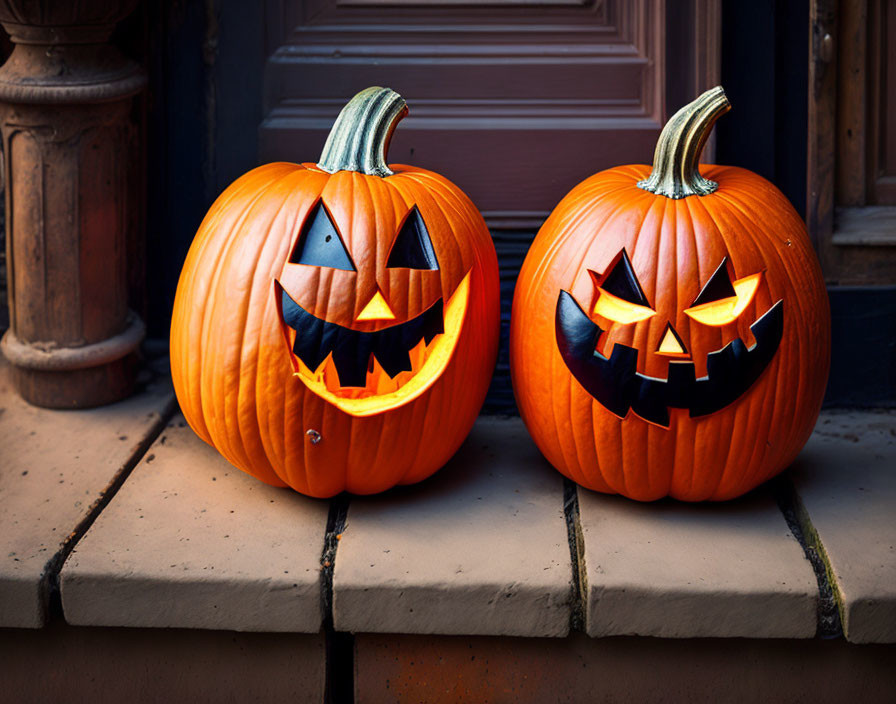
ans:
(376, 309)
(671, 343)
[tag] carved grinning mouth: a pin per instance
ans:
(617, 385)
(365, 373)
(352, 350)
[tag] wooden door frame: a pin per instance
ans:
(856, 244)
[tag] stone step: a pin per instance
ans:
(845, 479)
(55, 469)
(482, 548)
(674, 570)
(191, 542)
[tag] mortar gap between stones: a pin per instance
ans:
(339, 647)
(830, 603)
(576, 553)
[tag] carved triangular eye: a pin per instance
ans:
(718, 287)
(319, 243)
(413, 247)
(622, 282)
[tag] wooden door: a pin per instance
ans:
(516, 101)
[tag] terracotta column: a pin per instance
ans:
(70, 171)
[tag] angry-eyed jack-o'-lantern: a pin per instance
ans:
(336, 324)
(670, 333)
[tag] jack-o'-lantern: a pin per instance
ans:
(336, 324)
(670, 333)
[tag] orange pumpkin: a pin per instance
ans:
(670, 333)
(336, 324)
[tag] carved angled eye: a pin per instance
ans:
(319, 243)
(720, 301)
(620, 297)
(412, 248)
(717, 288)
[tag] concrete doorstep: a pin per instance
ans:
(464, 587)
(482, 548)
(57, 470)
(845, 481)
(191, 542)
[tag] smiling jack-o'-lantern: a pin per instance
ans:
(670, 333)
(336, 324)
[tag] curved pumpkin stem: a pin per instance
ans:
(675, 173)
(359, 139)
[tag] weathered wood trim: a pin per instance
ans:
(841, 165)
(821, 138)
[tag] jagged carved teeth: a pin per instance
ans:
(351, 349)
(615, 382)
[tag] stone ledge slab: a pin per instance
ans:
(480, 548)
(75, 665)
(54, 468)
(621, 670)
(191, 542)
(682, 571)
(846, 482)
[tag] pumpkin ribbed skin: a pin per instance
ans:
(231, 367)
(675, 246)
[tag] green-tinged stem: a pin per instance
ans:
(359, 139)
(675, 173)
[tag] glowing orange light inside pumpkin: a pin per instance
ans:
(376, 309)
(618, 310)
(728, 309)
(382, 392)
(670, 344)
